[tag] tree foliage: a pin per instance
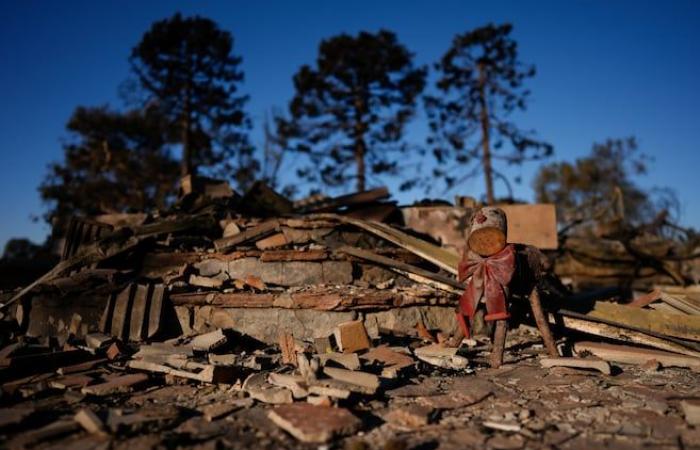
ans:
(603, 182)
(114, 162)
(123, 161)
(187, 68)
(351, 108)
(480, 83)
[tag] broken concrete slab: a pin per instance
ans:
(265, 324)
(314, 423)
(292, 273)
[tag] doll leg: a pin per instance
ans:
(462, 322)
(499, 343)
(542, 324)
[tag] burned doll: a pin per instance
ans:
(494, 272)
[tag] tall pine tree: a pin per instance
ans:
(349, 111)
(480, 83)
(187, 67)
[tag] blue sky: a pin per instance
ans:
(605, 69)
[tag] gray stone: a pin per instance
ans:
(265, 324)
(212, 267)
(404, 320)
(337, 272)
(292, 273)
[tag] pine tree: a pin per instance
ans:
(186, 67)
(114, 162)
(480, 83)
(351, 109)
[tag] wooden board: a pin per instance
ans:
(634, 355)
(120, 315)
(156, 311)
(534, 225)
(139, 312)
(677, 325)
(430, 252)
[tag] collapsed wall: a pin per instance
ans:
(298, 275)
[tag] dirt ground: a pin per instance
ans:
(520, 405)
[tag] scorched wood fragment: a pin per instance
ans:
(260, 231)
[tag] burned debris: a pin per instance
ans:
(250, 320)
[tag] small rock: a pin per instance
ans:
(503, 442)
(651, 366)
(691, 411)
(410, 416)
(348, 360)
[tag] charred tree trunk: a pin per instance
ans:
(485, 137)
(186, 167)
(360, 146)
(360, 151)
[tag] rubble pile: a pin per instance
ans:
(253, 321)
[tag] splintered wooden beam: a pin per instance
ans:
(634, 355)
(680, 303)
(677, 325)
(435, 254)
(101, 250)
(357, 198)
(156, 311)
(139, 312)
(120, 315)
(412, 272)
(586, 325)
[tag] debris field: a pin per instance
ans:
(252, 321)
